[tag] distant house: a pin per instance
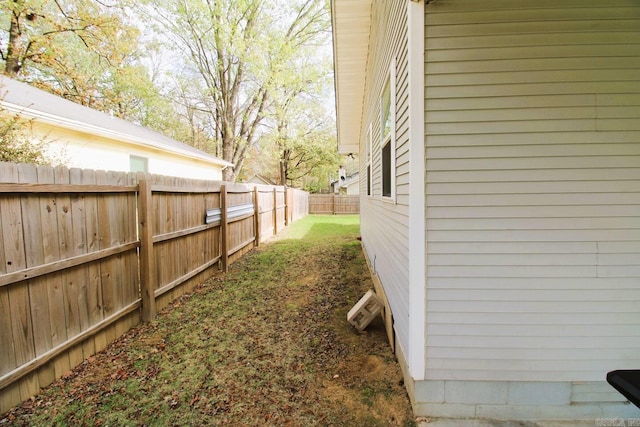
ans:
(259, 179)
(94, 140)
(500, 213)
(349, 185)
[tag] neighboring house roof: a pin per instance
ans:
(351, 179)
(32, 102)
(351, 21)
(259, 179)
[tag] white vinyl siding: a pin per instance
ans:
(533, 189)
(384, 224)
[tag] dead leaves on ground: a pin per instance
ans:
(267, 344)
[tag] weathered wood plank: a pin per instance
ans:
(212, 237)
(147, 267)
(166, 188)
(38, 295)
(51, 249)
(224, 230)
(36, 362)
(94, 284)
(257, 216)
(108, 267)
(169, 262)
(80, 247)
(197, 242)
(65, 188)
(133, 288)
(19, 304)
(119, 236)
(241, 246)
(69, 277)
(9, 396)
(168, 287)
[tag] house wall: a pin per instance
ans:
(533, 207)
(81, 150)
(353, 189)
(384, 222)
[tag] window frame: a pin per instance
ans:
(369, 160)
(133, 158)
(390, 138)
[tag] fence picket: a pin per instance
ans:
(147, 268)
(224, 238)
(80, 248)
(51, 249)
(19, 310)
(38, 295)
(94, 285)
(10, 395)
(70, 277)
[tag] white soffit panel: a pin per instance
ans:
(351, 26)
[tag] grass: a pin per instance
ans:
(266, 344)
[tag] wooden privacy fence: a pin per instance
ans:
(330, 204)
(85, 255)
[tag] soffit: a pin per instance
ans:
(351, 21)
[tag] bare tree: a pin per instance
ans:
(238, 52)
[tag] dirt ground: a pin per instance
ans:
(266, 344)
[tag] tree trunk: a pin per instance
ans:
(228, 175)
(283, 172)
(13, 63)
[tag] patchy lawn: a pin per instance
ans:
(267, 344)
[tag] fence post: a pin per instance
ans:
(224, 253)
(147, 270)
(256, 217)
(275, 211)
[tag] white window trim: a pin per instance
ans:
(369, 143)
(392, 113)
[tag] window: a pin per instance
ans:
(367, 146)
(387, 129)
(386, 110)
(386, 170)
(138, 164)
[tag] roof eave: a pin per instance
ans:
(351, 21)
(104, 132)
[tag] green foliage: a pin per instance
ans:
(83, 50)
(324, 227)
(15, 144)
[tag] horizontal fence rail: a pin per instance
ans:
(86, 255)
